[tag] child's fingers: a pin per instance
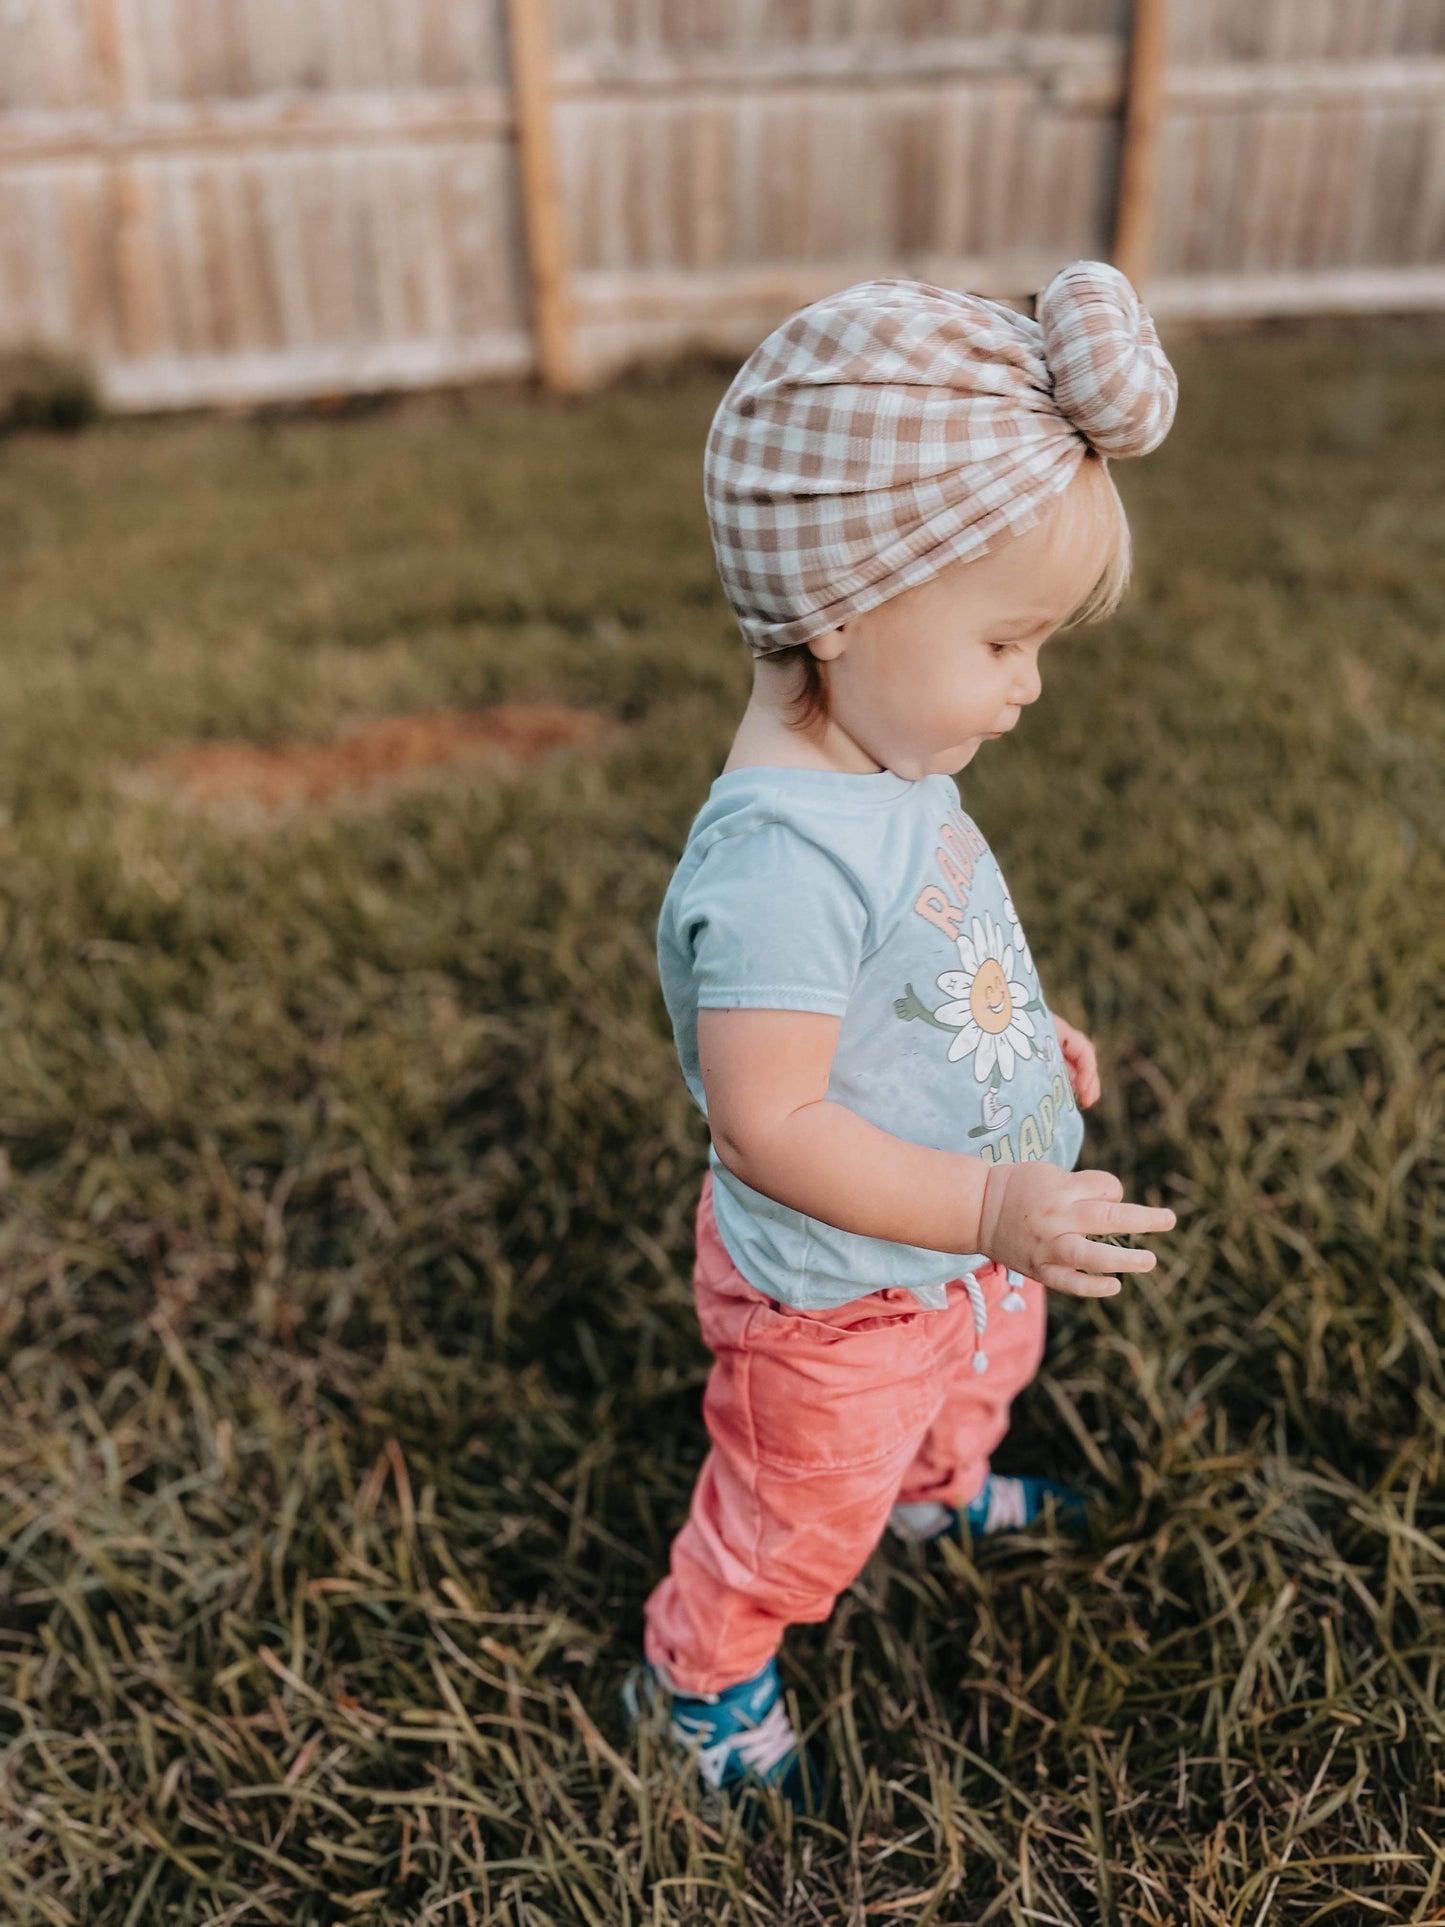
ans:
(1098, 1184)
(1116, 1257)
(1080, 1284)
(1117, 1220)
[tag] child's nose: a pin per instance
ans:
(1029, 685)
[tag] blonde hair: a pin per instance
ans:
(810, 706)
(1118, 547)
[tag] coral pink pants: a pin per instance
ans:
(821, 1422)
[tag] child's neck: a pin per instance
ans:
(765, 737)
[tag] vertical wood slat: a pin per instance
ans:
(134, 266)
(1139, 159)
(542, 206)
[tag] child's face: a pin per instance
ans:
(922, 680)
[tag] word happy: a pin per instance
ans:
(1036, 1132)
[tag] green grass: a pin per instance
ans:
(351, 1380)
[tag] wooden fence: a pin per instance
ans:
(231, 200)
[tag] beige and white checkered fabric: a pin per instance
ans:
(882, 433)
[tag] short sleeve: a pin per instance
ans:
(773, 922)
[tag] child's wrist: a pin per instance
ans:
(971, 1197)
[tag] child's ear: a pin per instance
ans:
(828, 647)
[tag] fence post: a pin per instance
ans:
(542, 214)
(134, 276)
(1139, 156)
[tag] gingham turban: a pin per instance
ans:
(882, 433)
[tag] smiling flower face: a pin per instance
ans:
(987, 1007)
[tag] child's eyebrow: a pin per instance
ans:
(1024, 625)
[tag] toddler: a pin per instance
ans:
(908, 492)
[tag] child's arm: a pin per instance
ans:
(765, 1073)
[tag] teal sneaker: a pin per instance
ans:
(740, 1739)
(1004, 1505)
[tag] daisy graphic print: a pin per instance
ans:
(990, 1001)
(989, 1005)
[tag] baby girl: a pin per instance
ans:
(909, 493)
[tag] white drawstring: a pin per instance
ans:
(980, 1319)
(1013, 1300)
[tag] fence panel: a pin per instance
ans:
(714, 178)
(1302, 157)
(230, 200)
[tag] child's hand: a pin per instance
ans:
(1081, 1060)
(1043, 1222)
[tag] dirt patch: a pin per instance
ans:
(380, 755)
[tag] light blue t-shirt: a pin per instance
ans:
(875, 899)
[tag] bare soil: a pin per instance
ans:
(384, 753)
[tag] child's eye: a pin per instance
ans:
(1000, 648)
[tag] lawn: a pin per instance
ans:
(351, 1382)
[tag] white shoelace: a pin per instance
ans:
(1007, 1506)
(761, 1747)
(1007, 1511)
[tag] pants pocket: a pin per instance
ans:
(821, 1397)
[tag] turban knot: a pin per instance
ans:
(1111, 379)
